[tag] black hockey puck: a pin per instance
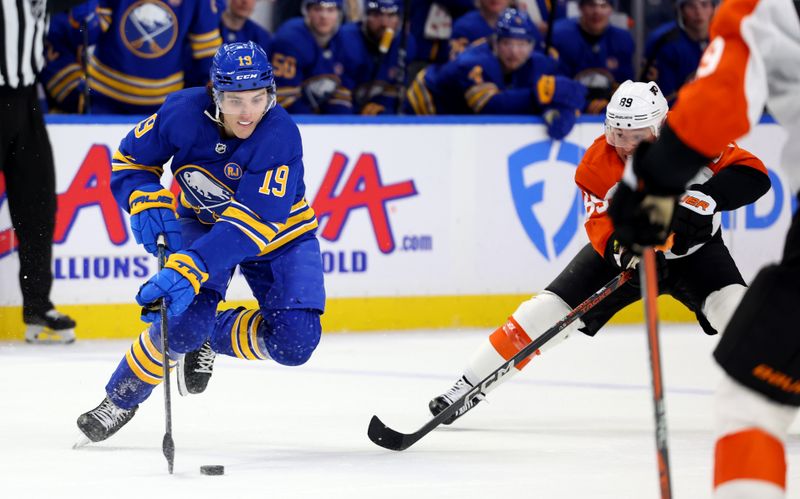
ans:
(212, 469)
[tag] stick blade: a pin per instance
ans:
(385, 437)
(168, 446)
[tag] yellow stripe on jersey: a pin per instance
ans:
(121, 162)
(479, 95)
(258, 230)
(205, 44)
(132, 89)
(63, 77)
(302, 219)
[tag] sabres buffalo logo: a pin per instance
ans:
(149, 28)
(202, 192)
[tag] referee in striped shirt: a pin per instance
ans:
(26, 161)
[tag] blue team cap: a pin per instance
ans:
(382, 6)
(241, 66)
(515, 24)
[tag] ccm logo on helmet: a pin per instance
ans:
(246, 77)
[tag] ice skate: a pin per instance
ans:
(443, 401)
(49, 327)
(103, 421)
(195, 369)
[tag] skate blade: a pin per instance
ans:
(37, 335)
(182, 389)
(82, 441)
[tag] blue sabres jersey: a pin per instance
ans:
(472, 29)
(373, 79)
(249, 193)
(250, 32)
(139, 57)
(309, 77)
(475, 83)
(600, 63)
(672, 58)
(62, 75)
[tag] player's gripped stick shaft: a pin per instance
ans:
(649, 286)
(391, 439)
(167, 445)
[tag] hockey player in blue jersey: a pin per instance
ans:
(674, 49)
(371, 62)
(478, 25)
(594, 53)
(239, 162)
(306, 55)
(141, 49)
(504, 76)
(236, 25)
(63, 75)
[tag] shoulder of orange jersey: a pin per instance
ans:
(600, 168)
(735, 155)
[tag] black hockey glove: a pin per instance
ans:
(693, 222)
(622, 258)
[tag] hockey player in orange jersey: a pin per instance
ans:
(697, 270)
(752, 61)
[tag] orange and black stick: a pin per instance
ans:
(648, 277)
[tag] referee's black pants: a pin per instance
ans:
(26, 160)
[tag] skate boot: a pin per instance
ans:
(194, 370)
(443, 401)
(49, 327)
(104, 420)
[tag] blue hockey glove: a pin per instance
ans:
(560, 91)
(153, 213)
(177, 283)
(559, 122)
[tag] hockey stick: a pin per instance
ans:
(391, 439)
(402, 56)
(649, 286)
(167, 445)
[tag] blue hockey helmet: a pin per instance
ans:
(241, 66)
(514, 23)
(383, 6)
(324, 3)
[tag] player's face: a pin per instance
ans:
(513, 52)
(378, 22)
(323, 19)
(697, 14)
(241, 8)
(625, 141)
(494, 7)
(242, 111)
(595, 16)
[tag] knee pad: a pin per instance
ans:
(542, 312)
(720, 305)
(290, 336)
(189, 330)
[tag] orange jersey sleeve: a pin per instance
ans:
(735, 155)
(727, 89)
(598, 172)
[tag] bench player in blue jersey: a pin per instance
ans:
(372, 64)
(239, 162)
(504, 76)
(594, 53)
(306, 55)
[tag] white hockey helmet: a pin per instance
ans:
(636, 105)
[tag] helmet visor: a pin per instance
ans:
(627, 139)
(245, 103)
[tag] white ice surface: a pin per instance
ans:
(577, 423)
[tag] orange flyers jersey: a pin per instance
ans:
(601, 169)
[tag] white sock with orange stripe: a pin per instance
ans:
(532, 318)
(749, 459)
